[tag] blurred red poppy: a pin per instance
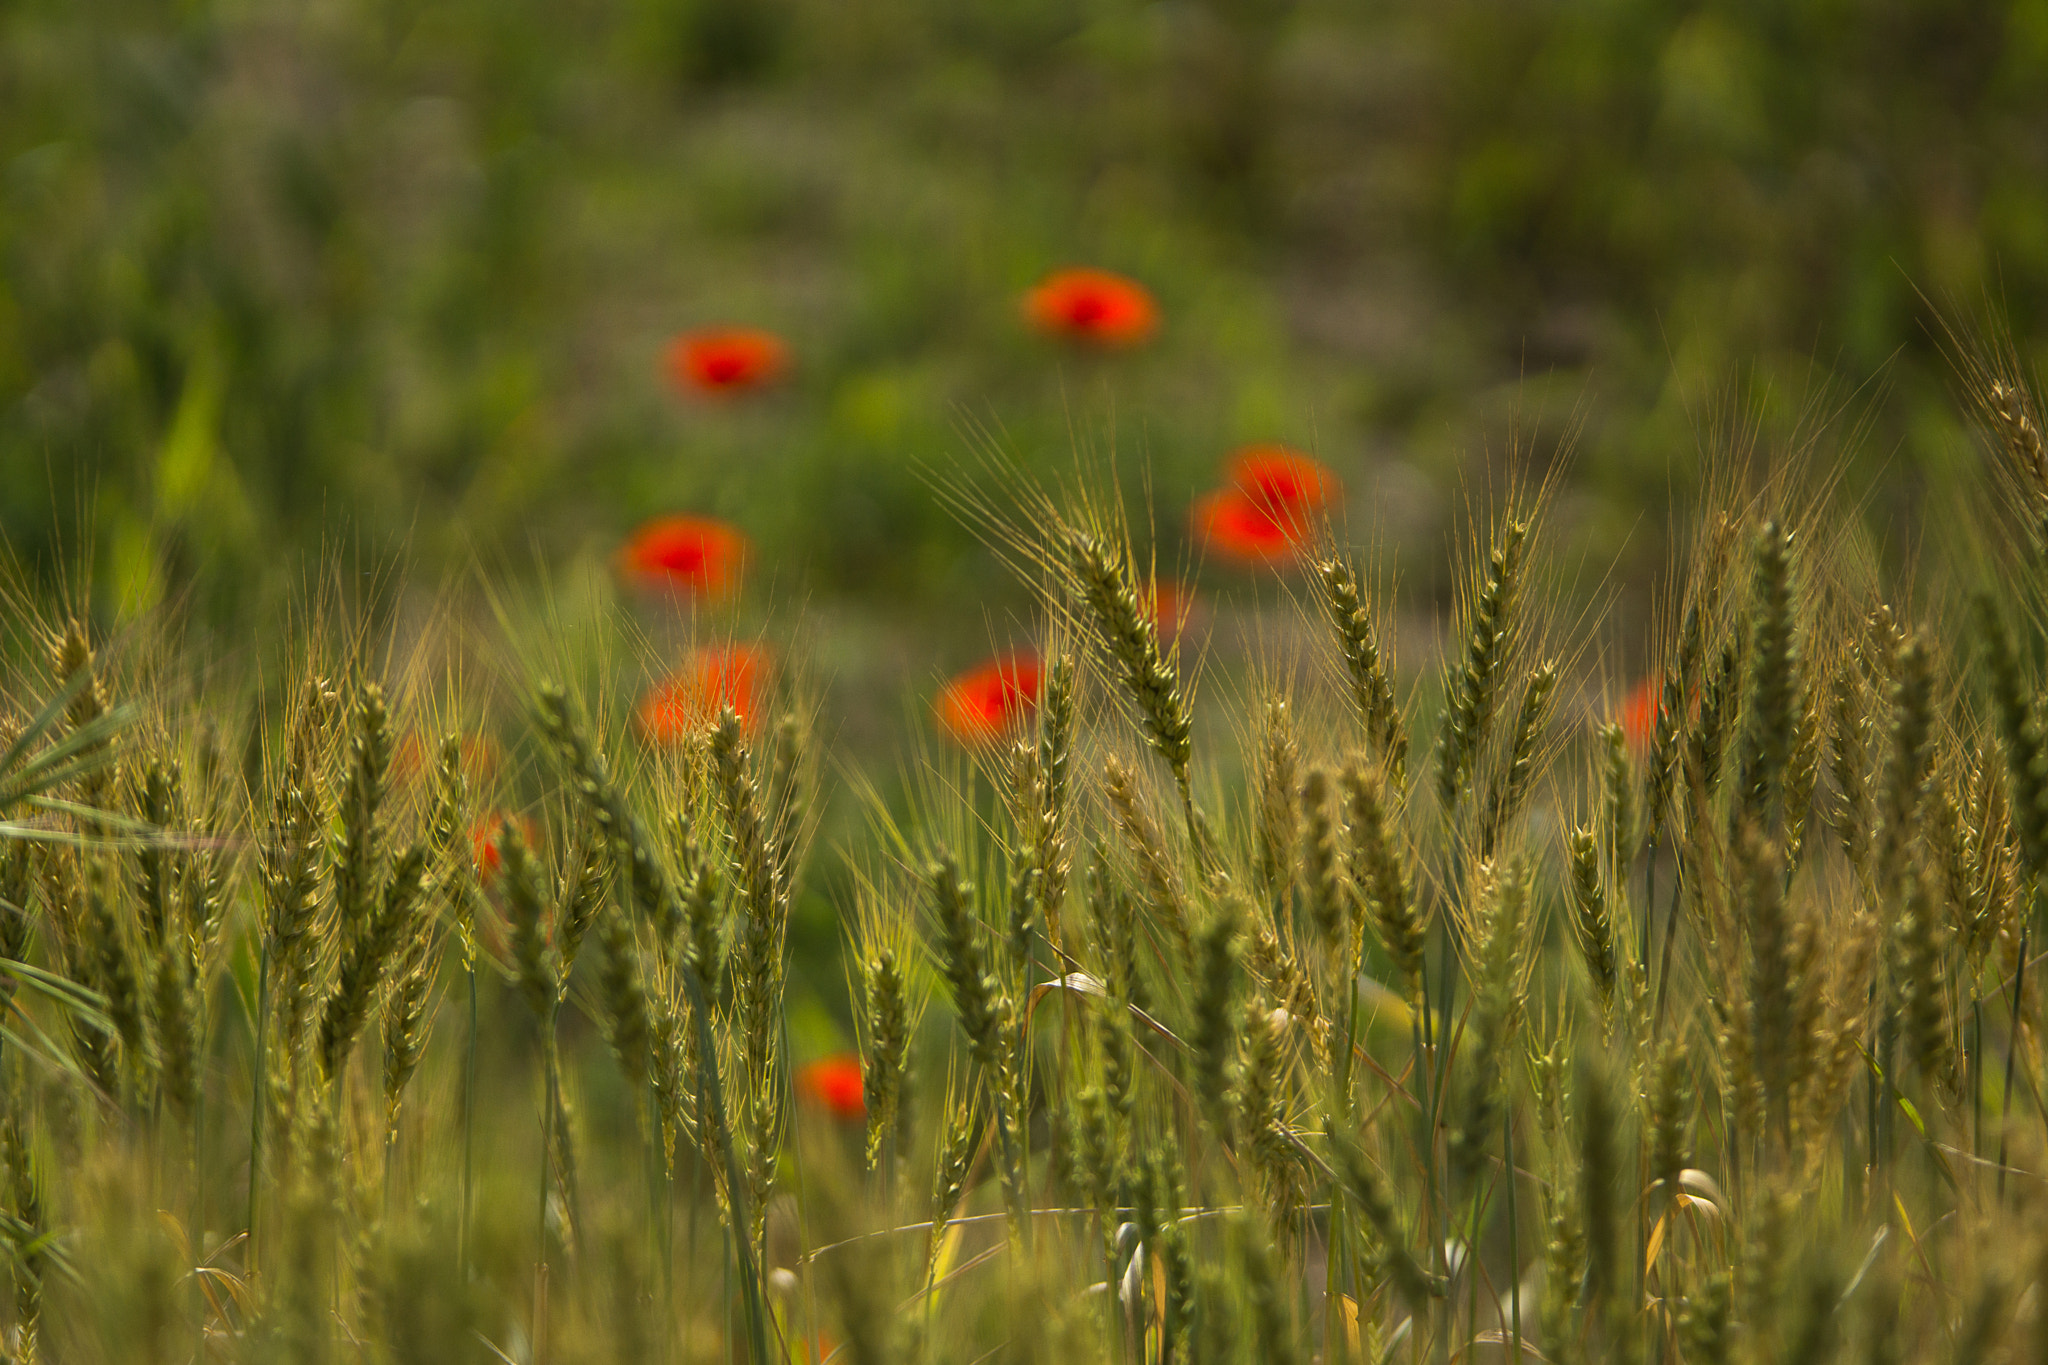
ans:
(711, 679)
(1639, 713)
(484, 839)
(1238, 528)
(834, 1082)
(1284, 482)
(1093, 306)
(692, 556)
(990, 698)
(720, 362)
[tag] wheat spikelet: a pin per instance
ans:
(1669, 1109)
(1848, 752)
(176, 1004)
(1802, 774)
(448, 837)
(585, 884)
(1378, 871)
(1275, 833)
(1261, 1116)
(2012, 415)
(622, 994)
(1057, 718)
(1906, 764)
(888, 1043)
(356, 870)
(533, 965)
(1319, 854)
(1773, 688)
(1143, 840)
(1523, 743)
(1133, 644)
(1022, 905)
(1371, 691)
(1771, 984)
(364, 962)
(1618, 802)
(159, 805)
(1681, 681)
(110, 963)
(1501, 954)
(1592, 928)
(977, 996)
(72, 655)
(1920, 978)
(291, 860)
(1213, 1035)
(1705, 746)
(1474, 686)
(2019, 734)
(408, 1015)
(949, 1176)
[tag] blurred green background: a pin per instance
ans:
(277, 278)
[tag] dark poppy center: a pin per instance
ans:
(1089, 308)
(725, 368)
(682, 557)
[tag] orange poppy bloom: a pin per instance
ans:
(713, 678)
(1231, 523)
(690, 556)
(1285, 482)
(723, 361)
(990, 698)
(834, 1082)
(1093, 306)
(1639, 713)
(484, 839)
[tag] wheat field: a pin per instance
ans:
(1514, 1005)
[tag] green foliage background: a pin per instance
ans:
(275, 277)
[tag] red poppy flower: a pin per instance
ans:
(687, 555)
(720, 362)
(990, 698)
(1285, 482)
(1639, 713)
(484, 839)
(834, 1082)
(1092, 306)
(1238, 528)
(713, 678)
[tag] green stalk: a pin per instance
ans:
(1014, 1192)
(659, 1218)
(549, 1065)
(1507, 1124)
(1974, 1066)
(199, 1185)
(468, 1127)
(2019, 990)
(256, 1105)
(1353, 966)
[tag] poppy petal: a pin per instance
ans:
(1094, 306)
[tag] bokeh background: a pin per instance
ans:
(391, 281)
